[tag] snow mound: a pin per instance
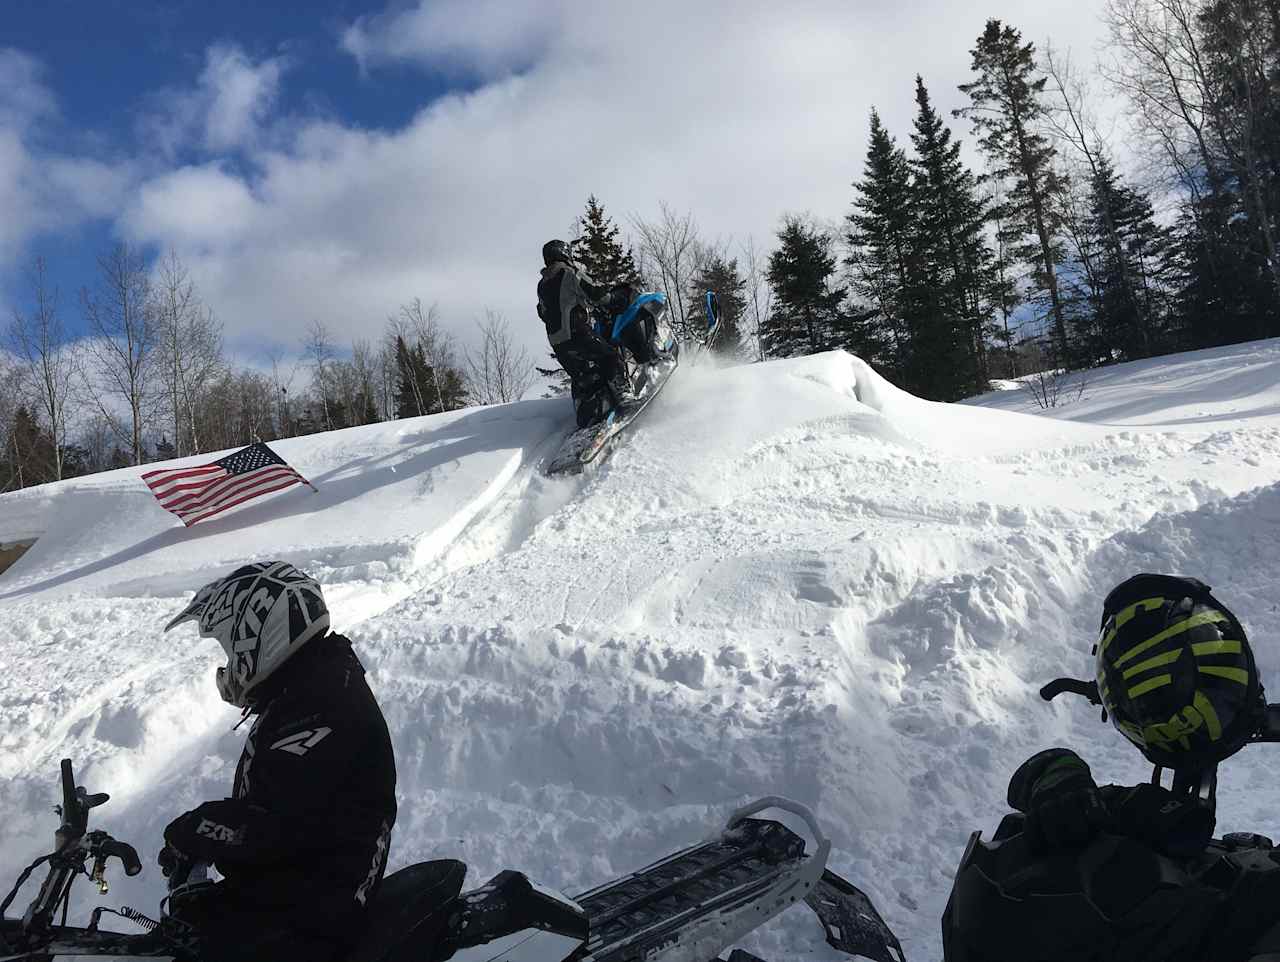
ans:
(793, 579)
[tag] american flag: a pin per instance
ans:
(200, 492)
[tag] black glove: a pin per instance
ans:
(172, 862)
(1180, 827)
(1057, 792)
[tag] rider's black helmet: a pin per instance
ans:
(1176, 673)
(556, 252)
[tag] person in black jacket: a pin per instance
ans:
(566, 297)
(302, 842)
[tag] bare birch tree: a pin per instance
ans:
(122, 344)
(40, 343)
(9, 375)
(318, 349)
(670, 254)
(421, 328)
(759, 293)
(188, 349)
(499, 370)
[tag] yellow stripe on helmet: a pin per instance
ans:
(1125, 615)
(1231, 674)
(1159, 681)
(1168, 658)
(1195, 621)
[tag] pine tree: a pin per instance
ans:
(422, 388)
(598, 250)
(1130, 245)
(881, 236)
(1005, 108)
(721, 276)
(806, 308)
(28, 458)
(954, 259)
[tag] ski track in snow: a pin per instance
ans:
(833, 591)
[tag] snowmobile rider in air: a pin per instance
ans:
(1176, 676)
(302, 843)
(566, 297)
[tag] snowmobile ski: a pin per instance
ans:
(586, 446)
(691, 905)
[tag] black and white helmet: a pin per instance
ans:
(261, 614)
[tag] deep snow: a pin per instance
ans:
(795, 579)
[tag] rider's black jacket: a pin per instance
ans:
(565, 298)
(305, 835)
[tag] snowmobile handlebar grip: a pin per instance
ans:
(786, 805)
(126, 853)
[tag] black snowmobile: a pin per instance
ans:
(1118, 899)
(687, 907)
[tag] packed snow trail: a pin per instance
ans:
(793, 579)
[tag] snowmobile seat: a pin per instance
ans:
(409, 911)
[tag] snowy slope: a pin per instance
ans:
(795, 579)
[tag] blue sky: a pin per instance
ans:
(121, 55)
(331, 160)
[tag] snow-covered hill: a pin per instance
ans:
(795, 579)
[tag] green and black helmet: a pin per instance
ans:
(1176, 673)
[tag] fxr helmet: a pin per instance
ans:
(1175, 672)
(261, 614)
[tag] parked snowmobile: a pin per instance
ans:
(1118, 898)
(687, 907)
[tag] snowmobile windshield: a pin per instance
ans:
(654, 301)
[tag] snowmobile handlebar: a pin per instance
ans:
(74, 845)
(786, 805)
(1268, 728)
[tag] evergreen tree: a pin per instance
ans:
(954, 260)
(598, 250)
(881, 235)
(423, 389)
(806, 316)
(1005, 109)
(28, 457)
(721, 276)
(1129, 316)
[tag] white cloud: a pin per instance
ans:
(738, 110)
(42, 189)
(482, 37)
(223, 111)
(23, 96)
(240, 95)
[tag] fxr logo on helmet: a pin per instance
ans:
(1164, 735)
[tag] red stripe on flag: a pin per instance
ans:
(279, 487)
(215, 486)
(155, 478)
(164, 489)
(224, 488)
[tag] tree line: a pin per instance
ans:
(944, 277)
(150, 379)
